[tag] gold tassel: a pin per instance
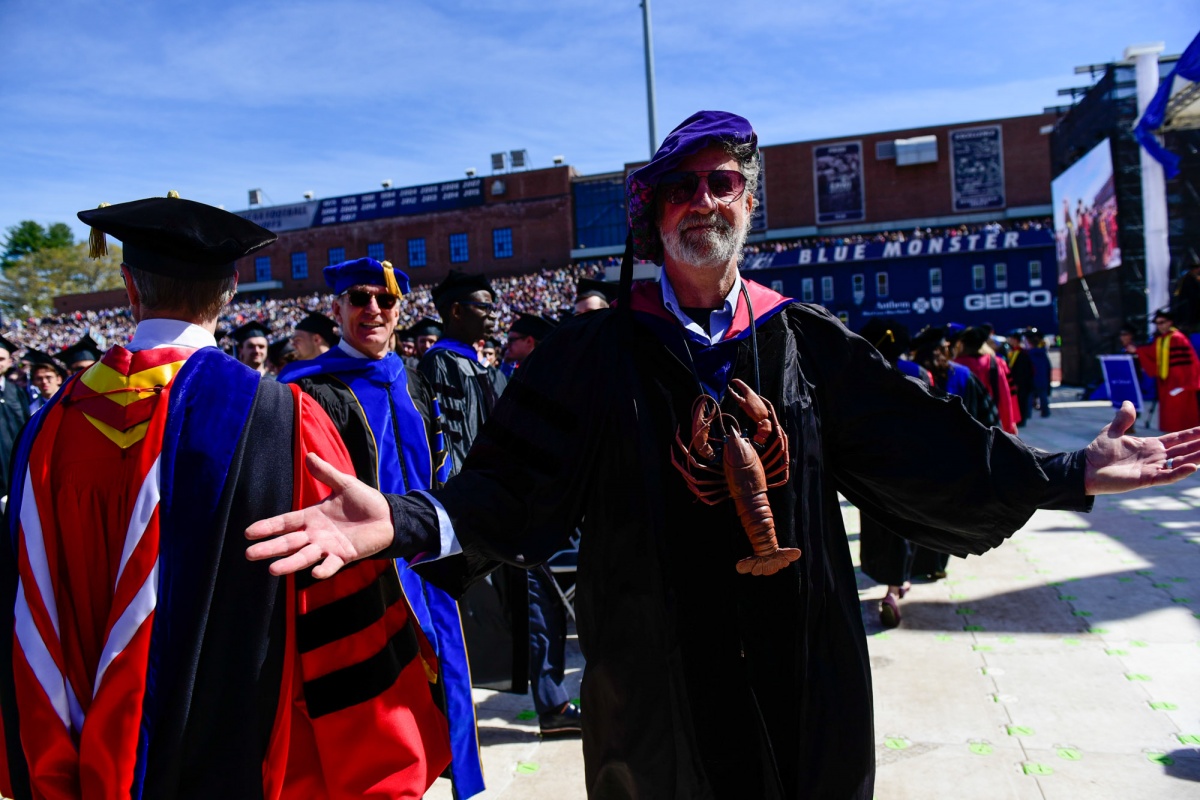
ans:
(174, 195)
(389, 278)
(97, 243)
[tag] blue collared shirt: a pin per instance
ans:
(719, 320)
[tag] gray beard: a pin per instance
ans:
(711, 249)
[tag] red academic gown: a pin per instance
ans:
(88, 561)
(981, 366)
(1173, 363)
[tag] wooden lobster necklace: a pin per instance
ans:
(738, 467)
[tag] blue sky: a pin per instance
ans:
(116, 101)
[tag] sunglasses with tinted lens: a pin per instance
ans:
(360, 299)
(725, 185)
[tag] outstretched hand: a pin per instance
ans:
(1118, 462)
(352, 523)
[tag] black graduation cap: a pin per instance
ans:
(175, 237)
(1016, 333)
(887, 336)
(86, 349)
(37, 358)
(249, 331)
(321, 325)
(405, 335)
(426, 327)
(458, 285)
(492, 342)
(589, 287)
(928, 337)
(531, 325)
(278, 351)
(9, 346)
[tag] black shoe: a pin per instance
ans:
(567, 721)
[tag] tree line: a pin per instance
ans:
(40, 263)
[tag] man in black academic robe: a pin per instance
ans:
(14, 411)
(703, 682)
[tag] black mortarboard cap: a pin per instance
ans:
(276, 351)
(179, 238)
(458, 285)
(405, 334)
(531, 325)
(249, 331)
(589, 287)
(9, 346)
(86, 349)
(320, 324)
(887, 336)
(426, 327)
(928, 337)
(37, 358)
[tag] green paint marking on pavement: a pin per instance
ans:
(1098, 631)
(1126, 579)
(527, 714)
(897, 743)
(1138, 643)
(1136, 676)
(577, 701)
(943, 637)
(1079, 613)
(882, 635)
(1178, 580)
(965, 611)
(1161, 585)
(1021, 577)
(1055, 584)
(1181, 600)
(981, 748)
(1042, 571)
(1072, 642)
(1160, 537)
(1019, 730)
(1161, 758)
(1163, 706)
(1036, 769)
(1008, 640)
(973, 629)
(1072, 580)
(1069, 754)
(1187, 738)
(526, 767)
(958, 597)
(981, 648)
(1067, 597)
(1112, 651)
(1144, 572)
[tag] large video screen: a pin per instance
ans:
(1085, 216)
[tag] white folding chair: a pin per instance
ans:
(565, 562)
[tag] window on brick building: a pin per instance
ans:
(806, 290)
(979, 277)
(299, 266)
(336, 255)
(375, 251)
(881, 284)
(502, 243)
(262, 268)
(935, 280)
(416, 252)
(1001, 276)
(1035, 274)
(826, 288)
(459, 252)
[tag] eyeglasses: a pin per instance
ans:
(486, 308)
(361, 299)
(725, 185)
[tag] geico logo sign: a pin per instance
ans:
(1035, 299)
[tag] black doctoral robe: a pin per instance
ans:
(14, 412)
(701, 682)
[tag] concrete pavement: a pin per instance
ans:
(1064, 664)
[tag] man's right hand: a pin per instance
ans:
(354, 522)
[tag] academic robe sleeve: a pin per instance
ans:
(919, 463)
(402, 742)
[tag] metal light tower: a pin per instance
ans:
(649, 75)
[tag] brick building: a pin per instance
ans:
(520, 221)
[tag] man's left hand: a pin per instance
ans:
(1118, 462)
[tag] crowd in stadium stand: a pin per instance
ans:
(549, 292)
